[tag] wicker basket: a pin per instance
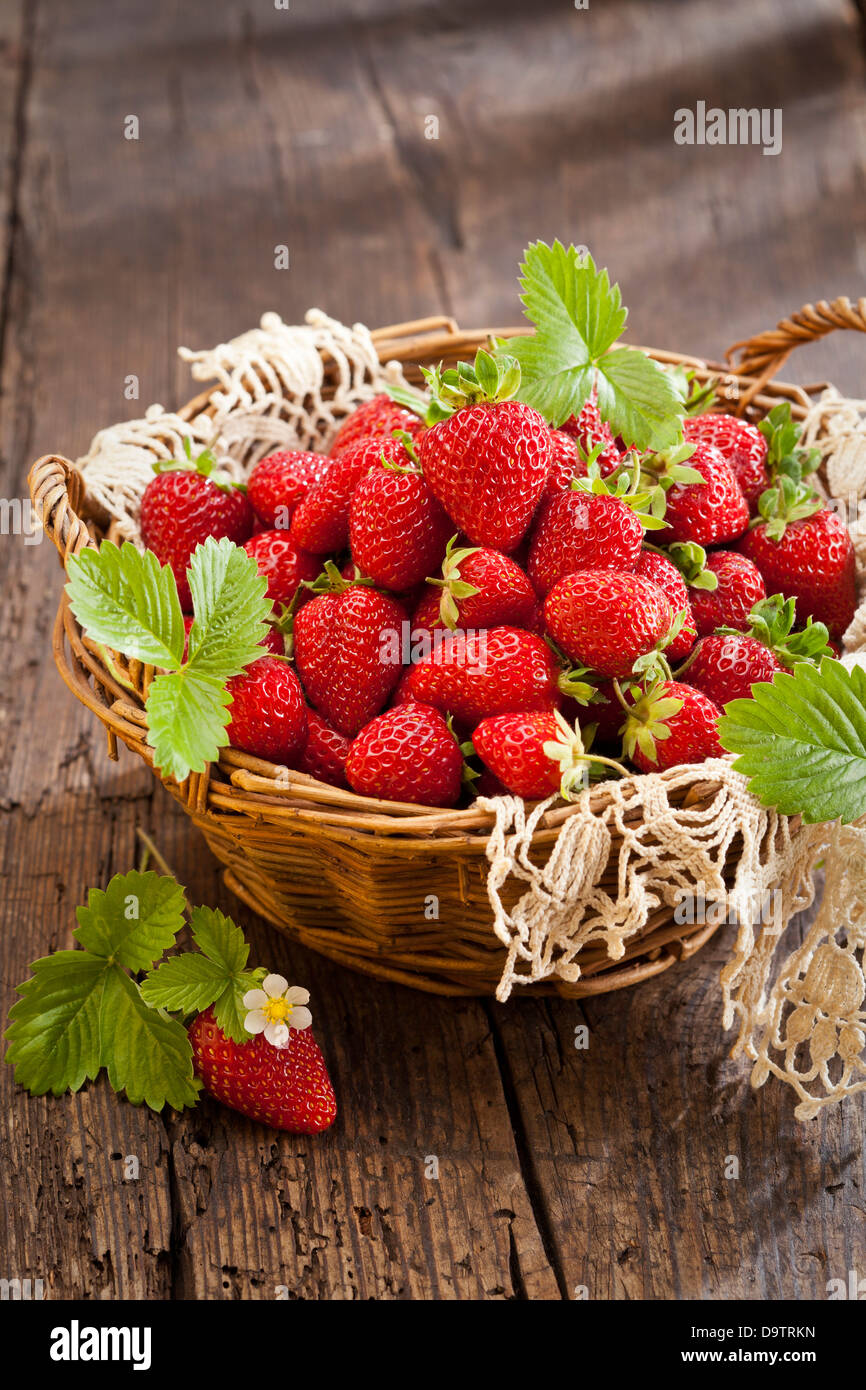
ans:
(347, 875)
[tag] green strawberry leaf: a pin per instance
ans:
(802, 741)
(215, 974)
(125, 599)
(133, 921)
(578, 316)
(231, 609)
(146, 1054)
(54, 1032)
(188, 718)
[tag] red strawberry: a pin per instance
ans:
(665, 574)
(738, 589)
(325, 752)
(282, 563)
(479, 588)
(590, 431)
(184, 504)
(511, 746)
(348, 651)
(375, 419)
(488, 463)
(607, 620)
(672, 723)
(407, 754)
(491, 672)
(269, 716)
(566, 462)
(741, 445)
(284, 1087)
(321, 522)
(803, 549)
(725, 665)
(397, 529)
(707, 511)
(278, 483)
(582, 530)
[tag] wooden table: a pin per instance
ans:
(259, 127)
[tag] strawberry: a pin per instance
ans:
(279, 483)
(488, 462)
(594, 434)
(184, 504)
(397, 529)
(511, 746)
(802, 548)
(669, 724)
(325, 752)
(268, 713)
(726, 664)
(375, 419)
(491, 672)
(723, 586)
(348, 651)
(664, 573)
(579, 530)
(703, 499)
(742, 446)
(479, 588)
(285, 1087)
(282, 563)
(566, 462)
(407, 754)
(321, 522)
(607, 620)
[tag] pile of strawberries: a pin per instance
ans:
(474, 597)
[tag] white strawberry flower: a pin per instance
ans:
(276, 1008)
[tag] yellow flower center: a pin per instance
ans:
(277, 1010)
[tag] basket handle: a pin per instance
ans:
(57, 493)
(763, 355)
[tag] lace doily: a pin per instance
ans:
(799, 1018)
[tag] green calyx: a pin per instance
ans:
(204, 463)
(331, 581)
(784, 457)
(666, 469)
(647, 719)
(624, 483)
(453, 587)
(691, 559)
(570, 751)
(783, 504)
(405, 438)
(771, 622)
(581, 684)
(653, 666)
(697, 398)
(489, 379)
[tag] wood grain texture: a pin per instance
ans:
(559, 1170)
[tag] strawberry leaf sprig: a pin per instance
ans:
(578, 317)
(127, 602)
(83, 1010)
(801, 741)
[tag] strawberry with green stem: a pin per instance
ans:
(189, 501)
(726, 664)
(668, 723)
(478, 588)
(488, 457)
(803, 549)
(723, 586)
(537, 753)
(610, 621)
(696, 493)
(596, 524)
